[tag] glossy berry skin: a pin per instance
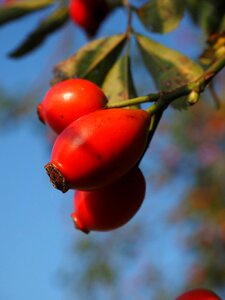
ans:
(69, 100)
(199, 294)
(98, 148)
(109, 207)
(88, 14)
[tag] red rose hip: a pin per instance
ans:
(69, 100)
(88, 14)
(98, 148)
(109, 207)
(199, 294)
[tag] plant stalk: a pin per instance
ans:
(164, 99)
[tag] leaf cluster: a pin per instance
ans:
(107, 61)
(101, 60)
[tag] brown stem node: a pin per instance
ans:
(57, 178)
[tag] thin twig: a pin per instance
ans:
(214, 95)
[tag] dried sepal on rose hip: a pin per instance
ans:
(109, 207)
(69, 100)
(98, 148)
(88, 14)
(199, 294)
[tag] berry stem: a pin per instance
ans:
(134, 101)
(126, 3)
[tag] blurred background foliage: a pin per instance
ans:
(189, 146)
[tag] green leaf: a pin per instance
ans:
(169, 68)
(222, 25)
(13, 11)
(161, 15)
(118, 84)
(193, 9)
(114, 3)
(209, 14)
(92, 61)
(49, 25)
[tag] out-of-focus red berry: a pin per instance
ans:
(88, 14)
(199, 294)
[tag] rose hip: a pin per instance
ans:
(98, 148)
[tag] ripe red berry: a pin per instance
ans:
(88, 14)
(69, 100)
(199, 294)
(98, 148)
(109, 207)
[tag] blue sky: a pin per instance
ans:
(35, 225)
